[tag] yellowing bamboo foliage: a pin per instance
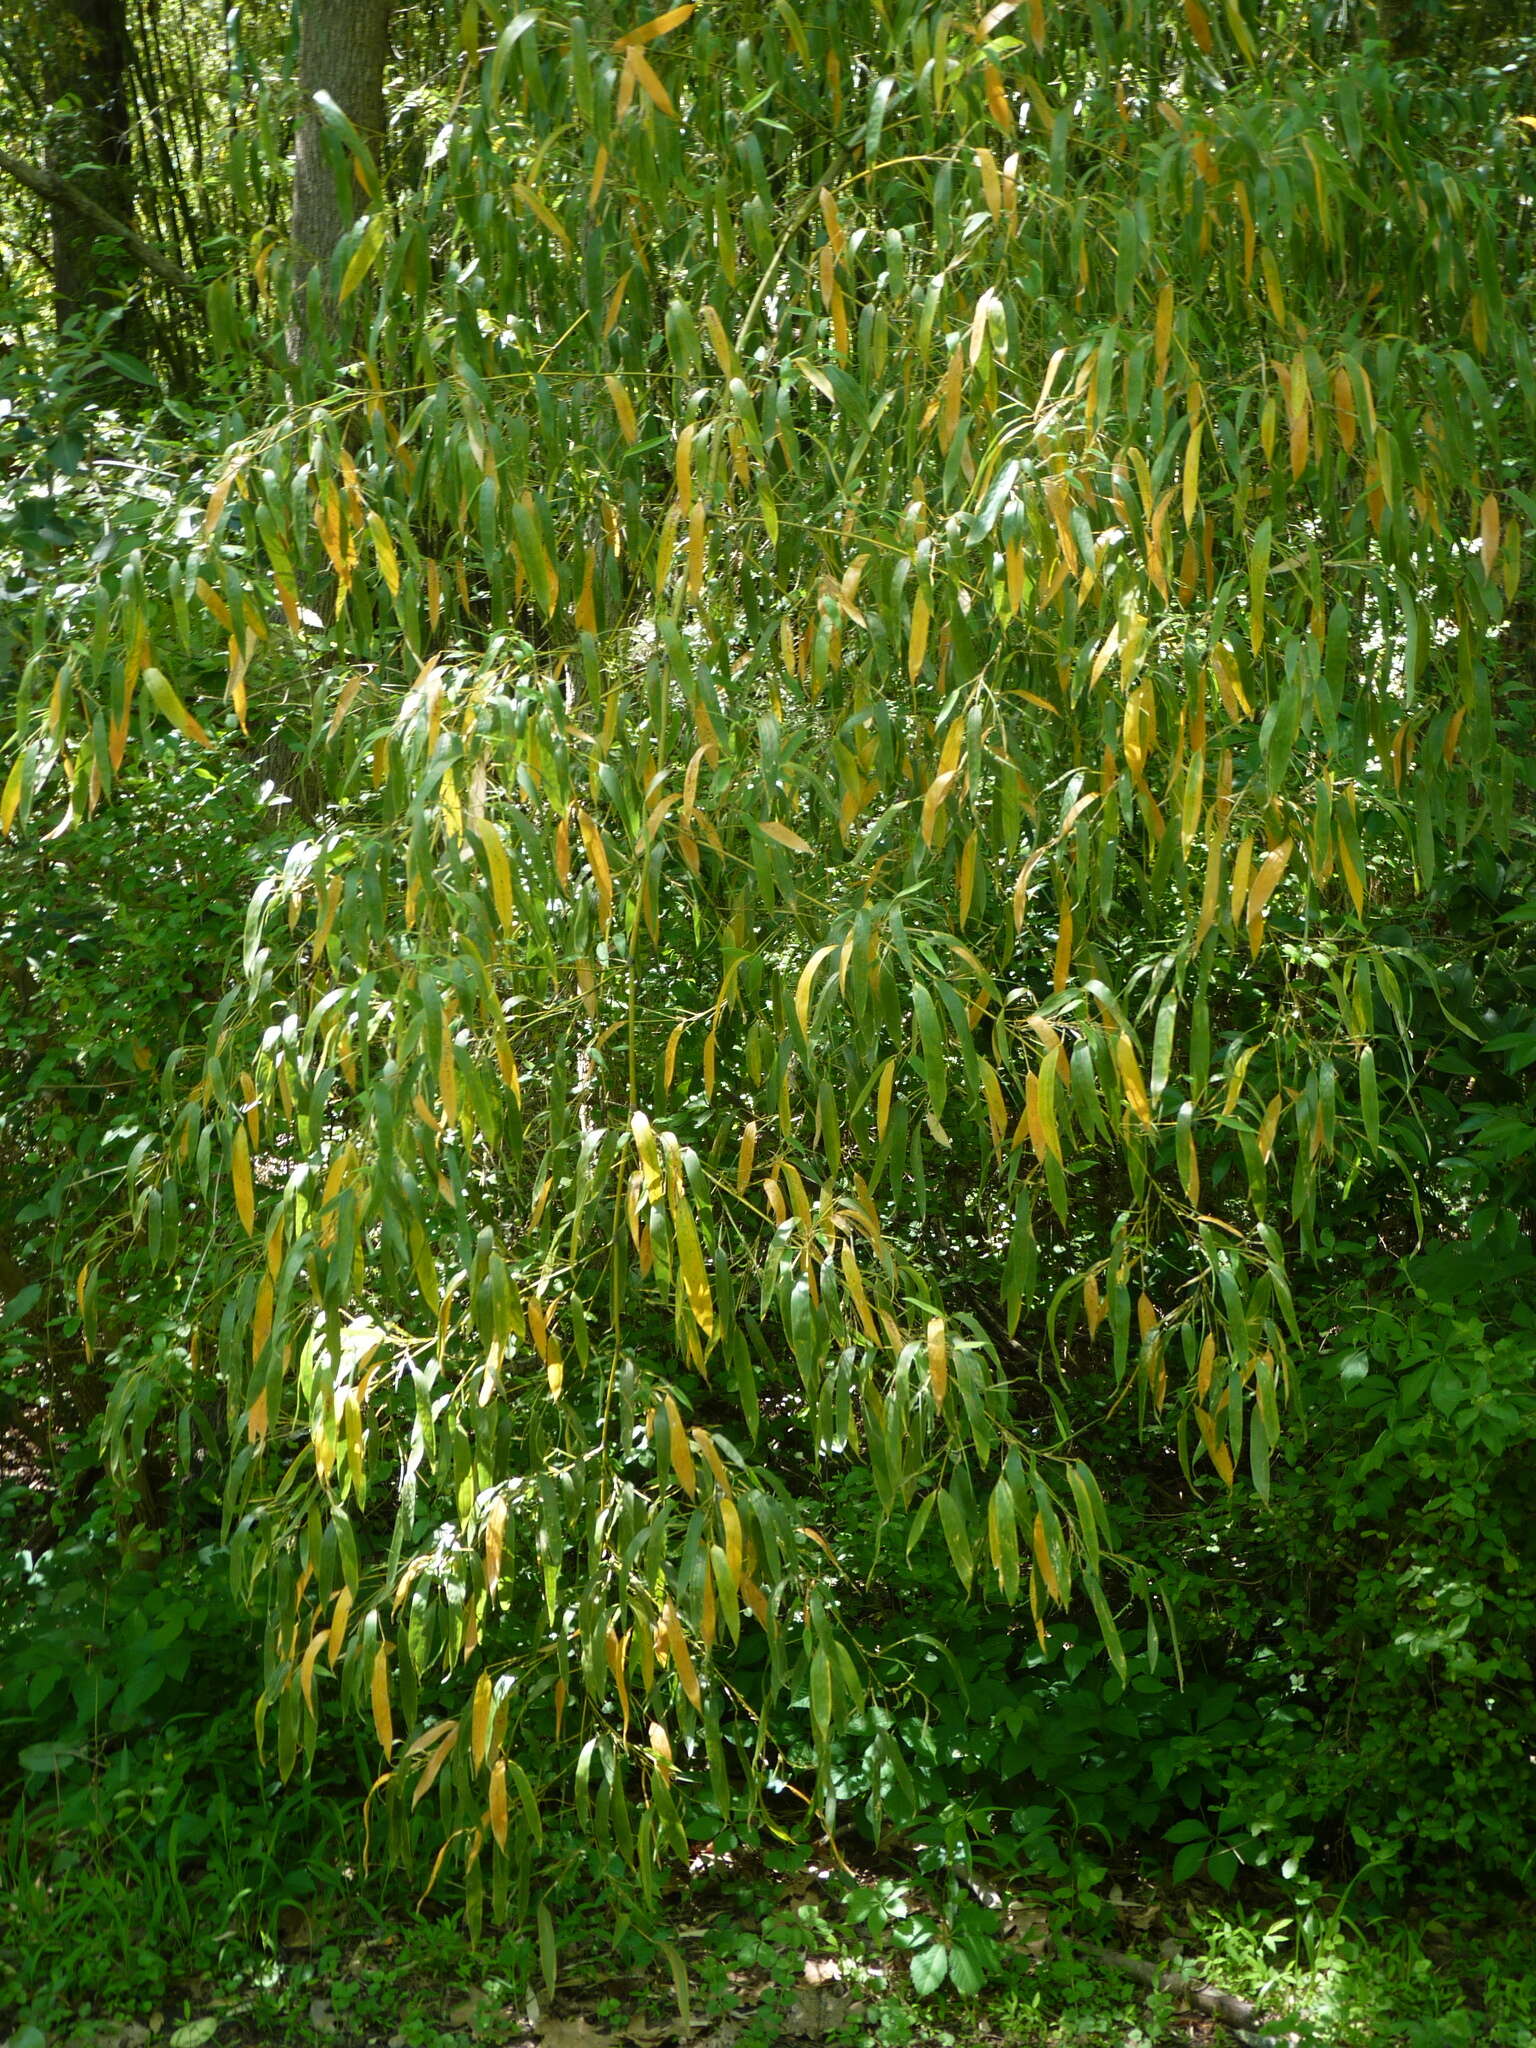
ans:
(859, 767)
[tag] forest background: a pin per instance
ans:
(765, 1010)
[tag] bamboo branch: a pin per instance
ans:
(63, 191)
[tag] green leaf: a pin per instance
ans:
(957, 1536)
(929, 1967)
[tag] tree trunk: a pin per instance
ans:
(343, 45)
(90, 145)
(1400, 24)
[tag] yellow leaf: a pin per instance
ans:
(1269, 1125)
(1192, 473)
(597, 859)
(384, 550)
(624, 409)
(1241, 32)
(696, 549)
(938, 1359)
(818, 380)
(240, 1175)
(307, 1668)
(854, 1281)
(444, 1740)
(978, 338)
(1344, 409)
(1162, 331)
(1093, 1303)
(951, 393)
(682, 1661)
(639, 67)
(541, 211)
(683, 466)
(1488, 532)
(217, 501)
(991, 182)
(917, 638)
(500, 870)
(499, 1802)
(669, 1058)
(171, 707)
(1265, 883)
(261, 1318)
(719, 340)
(615, 1647)
(1207, 1366)
(678, 1452)
(1242, 869)
(659, 25)
(997, 100)
(965, 880)
(649, 1156)
(1045, 1102)
(362, 258)
(10, 799)
(1130, 1079)
(383, 1722)
(804, 985)
(690, 1259)
(586, 603)
(1354, 881)
(782, 835)
(615, 301)
(336, 1634)
(745, 1157)
(883, 1097)
(1270, 271)
(495, 1531)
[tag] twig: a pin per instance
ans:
(63, 191)
(1243, 2017)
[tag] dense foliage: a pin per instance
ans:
(765, 943)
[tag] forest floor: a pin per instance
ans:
(796, 1958)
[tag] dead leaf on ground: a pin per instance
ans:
(814, 2012)
(576, 2033)
(1139, 1912)
(1028, 1926)
(723, 2035)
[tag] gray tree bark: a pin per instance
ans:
(343, 48)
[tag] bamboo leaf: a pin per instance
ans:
(783, 835)
(938, 1359)
(240, 1179)
(383, 1720)
(171, 708)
